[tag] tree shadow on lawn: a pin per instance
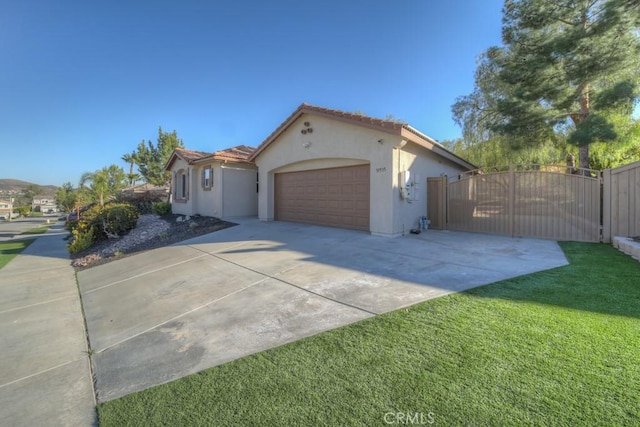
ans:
(598, 279)
(17, 247)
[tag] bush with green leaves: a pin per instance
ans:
(71, 224)
(117, 219)
(82, 240)
(162, 208)
(98, 223)
(23, 210)
(144, 201)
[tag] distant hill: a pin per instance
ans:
(16, 186)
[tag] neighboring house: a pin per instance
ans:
(320, 166)
(221, 184)
(44, 204)
(5, 209)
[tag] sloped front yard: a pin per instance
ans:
(558, 347)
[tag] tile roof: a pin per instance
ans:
(240, 154)
(362, 118)
(190, 155)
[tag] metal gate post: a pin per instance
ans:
(512, 199)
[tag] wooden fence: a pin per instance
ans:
(533, 201)
(621, 202)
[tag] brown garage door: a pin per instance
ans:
(338, 197)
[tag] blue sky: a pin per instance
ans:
(82, 82)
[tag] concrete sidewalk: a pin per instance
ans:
(45, 377)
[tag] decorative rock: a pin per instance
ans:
(179, 219)
(148, 227)
(151, 232)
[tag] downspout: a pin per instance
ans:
(224, 162)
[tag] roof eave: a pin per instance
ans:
(431, 144)
(172, 158)
(277, 132)
(222, 159)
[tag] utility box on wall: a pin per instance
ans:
(409, 186)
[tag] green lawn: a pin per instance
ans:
(9, 250)
(559, 347)
(38, 230)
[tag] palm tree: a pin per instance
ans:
(131, 159)
(99, 183)
(104, 182)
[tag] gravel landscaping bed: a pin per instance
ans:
(152, 231)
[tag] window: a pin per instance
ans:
(207, 178)
(181, 189)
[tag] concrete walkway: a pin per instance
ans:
(170, 312)
(45, 377)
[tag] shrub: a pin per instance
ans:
(144, 201)
(117, 218)
(97, 223)
(90, 214)
(23, 210)
(114, 218)
(71, 225)
(82, 240)
(162, 208)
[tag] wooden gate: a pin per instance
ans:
(437, 202)
(548, 202)
(621, 206)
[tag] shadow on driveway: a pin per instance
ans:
(170, 312)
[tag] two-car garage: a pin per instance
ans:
(340, 169)
(337, 197)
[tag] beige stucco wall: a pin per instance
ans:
(421, 163)
(208, 202)
(332, 144)
(179, 207)
(233, 191)
(239, 194)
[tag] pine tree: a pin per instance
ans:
(152, 158)
(565, 66)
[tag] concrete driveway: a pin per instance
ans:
(170, 312)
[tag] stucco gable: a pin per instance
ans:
(389, 126)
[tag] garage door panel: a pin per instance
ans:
(333, 189)
(361, 205)
(347, 205)
(336, 197)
